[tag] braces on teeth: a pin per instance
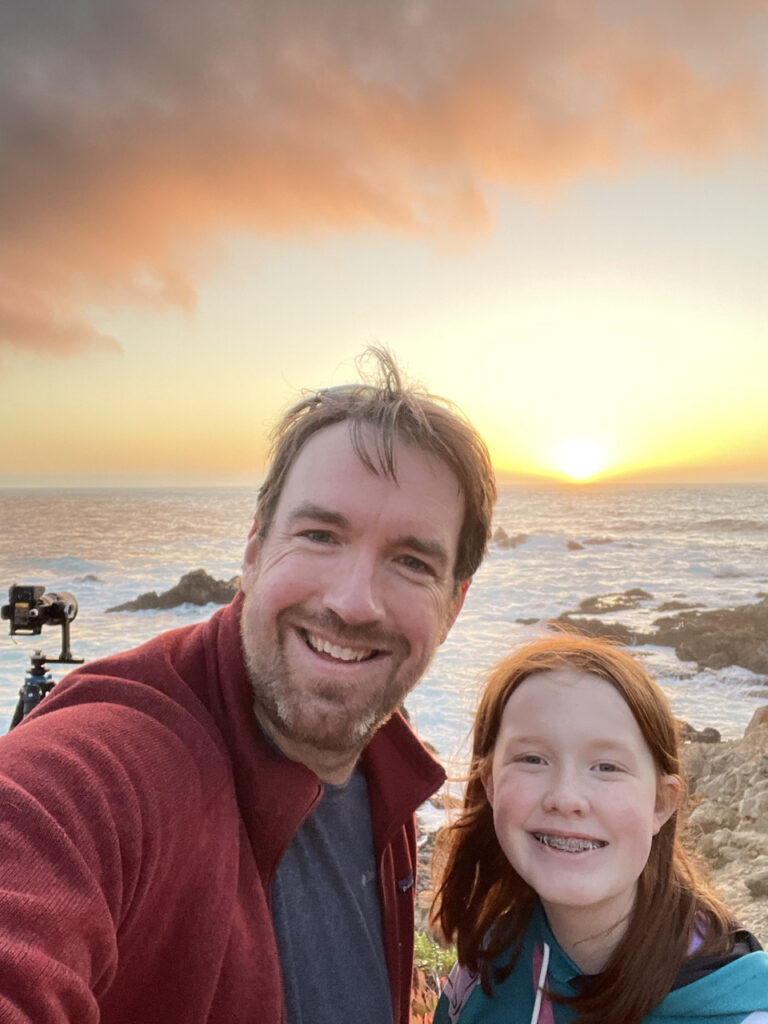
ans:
(569, 845)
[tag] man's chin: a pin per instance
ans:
(327, 726)
(335, 734)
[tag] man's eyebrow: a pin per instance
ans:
(308, 510)
(429, 548)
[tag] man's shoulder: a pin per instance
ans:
(183, 665)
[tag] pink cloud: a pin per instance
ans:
(135, 135)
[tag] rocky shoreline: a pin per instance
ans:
(713, 639)
(728, 823)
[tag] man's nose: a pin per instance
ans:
(354, 593)
(567, 793)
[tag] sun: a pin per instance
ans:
(580, 458)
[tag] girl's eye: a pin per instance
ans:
(607, 766)
(530, 759)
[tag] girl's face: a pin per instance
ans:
(576, 796)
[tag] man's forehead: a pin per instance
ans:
(336, 447)
(330, 474)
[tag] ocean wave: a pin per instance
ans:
(731, 525)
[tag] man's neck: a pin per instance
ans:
(329, 765)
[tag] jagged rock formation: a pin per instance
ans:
(503, 540)
(729, 821)
(713, 639)
(196, 587)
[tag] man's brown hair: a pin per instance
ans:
(380, 411)
(484, 905)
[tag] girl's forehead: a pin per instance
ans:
(569, 697)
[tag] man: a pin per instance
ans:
(218, 826)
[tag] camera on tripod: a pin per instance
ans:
(29, 608)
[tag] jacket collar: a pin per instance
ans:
(275, 794)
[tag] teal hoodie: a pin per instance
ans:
(732, 993)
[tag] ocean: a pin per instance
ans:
(699, 544)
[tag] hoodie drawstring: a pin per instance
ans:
(540, 983)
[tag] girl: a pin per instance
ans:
(566, 888)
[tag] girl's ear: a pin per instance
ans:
(668, 790)
(486, 777)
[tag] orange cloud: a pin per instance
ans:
(135, 135)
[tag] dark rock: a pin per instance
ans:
(715, 639)
(596, 627)
(758, 884)
(691, 735)
(196, 587)
(676, 606)
(503, 540)
(602, 603)
(88, 578)
(527, 621)
(573, 545)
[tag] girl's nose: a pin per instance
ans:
(567, 793)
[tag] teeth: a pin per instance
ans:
(342, 653)
(568, 844)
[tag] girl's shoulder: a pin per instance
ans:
(729, 989)
(457, 988)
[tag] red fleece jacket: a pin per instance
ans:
(142, 819)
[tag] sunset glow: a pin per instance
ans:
(553, 214)
(580, 458)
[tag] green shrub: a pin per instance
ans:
(431, 957)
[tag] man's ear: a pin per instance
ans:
(251, 553)
(668, 792)
(454, 607)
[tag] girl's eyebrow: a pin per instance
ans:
(608, 744)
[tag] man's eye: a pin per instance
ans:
(317, 536)
(416, 564)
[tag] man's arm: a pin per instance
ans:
(100, 805)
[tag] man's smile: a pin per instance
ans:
(321, 646)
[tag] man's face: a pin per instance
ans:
(350, 592)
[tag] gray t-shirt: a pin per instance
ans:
(327, 915)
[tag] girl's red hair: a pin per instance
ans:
(484, 905)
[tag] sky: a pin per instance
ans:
(554, 213)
